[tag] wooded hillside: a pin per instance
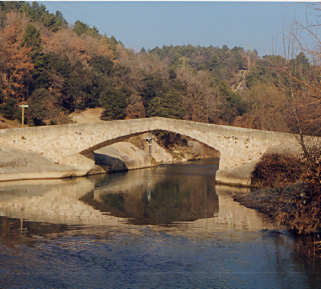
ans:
(59, 68)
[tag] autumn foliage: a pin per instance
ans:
(47, 62)
(16, 65)
(276, 170)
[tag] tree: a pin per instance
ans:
(168, 105)
(82, 28)
(231, 105)
(266, 108)
(153, 87)
(114, 101)
(77, 49)
(41, 107)
(32, 37)
(39, 13)
(9, 108)
(304, 83)
(15, 62)
(305, 110)
(135, 107)
(198, 93)
(101, 65)
(76, 88)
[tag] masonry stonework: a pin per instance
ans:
(240, 148)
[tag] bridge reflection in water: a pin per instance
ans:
(164, 227)
(157, 200)
(177, 199)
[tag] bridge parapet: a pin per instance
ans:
(239, 148)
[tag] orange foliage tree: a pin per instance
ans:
(15, 62)
(76, 48)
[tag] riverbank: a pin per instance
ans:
(292, 206)
(289, 192)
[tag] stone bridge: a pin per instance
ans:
(239, 148)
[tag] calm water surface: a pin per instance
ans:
(167, 227)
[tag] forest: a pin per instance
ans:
(59, 68)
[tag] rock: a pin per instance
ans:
(160, 155)
(81, 165)
(195, 148)
(122, 156)
(19, 165)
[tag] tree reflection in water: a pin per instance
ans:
(177, 198)
(154, 228)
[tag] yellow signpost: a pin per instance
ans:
(23, 106)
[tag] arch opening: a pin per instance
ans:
(135, 151)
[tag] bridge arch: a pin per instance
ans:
(239, 148)
(88, 152)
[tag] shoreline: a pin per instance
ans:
(281, 205)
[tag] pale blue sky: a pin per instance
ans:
(254, 25)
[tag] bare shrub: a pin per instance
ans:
(277, 170)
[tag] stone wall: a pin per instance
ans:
(63, 144)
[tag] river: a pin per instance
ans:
(165, 227)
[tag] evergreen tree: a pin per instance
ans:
(32, 37)
(114, 101)
(39, 108)
(9, 108)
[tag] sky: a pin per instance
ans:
(251, 25)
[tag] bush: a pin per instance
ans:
(169, 139)
(312, 172)
(277, 170)
(43, 108)
(300, 210)
(9, 109)
(297, 206)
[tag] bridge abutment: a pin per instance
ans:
(240, 149)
